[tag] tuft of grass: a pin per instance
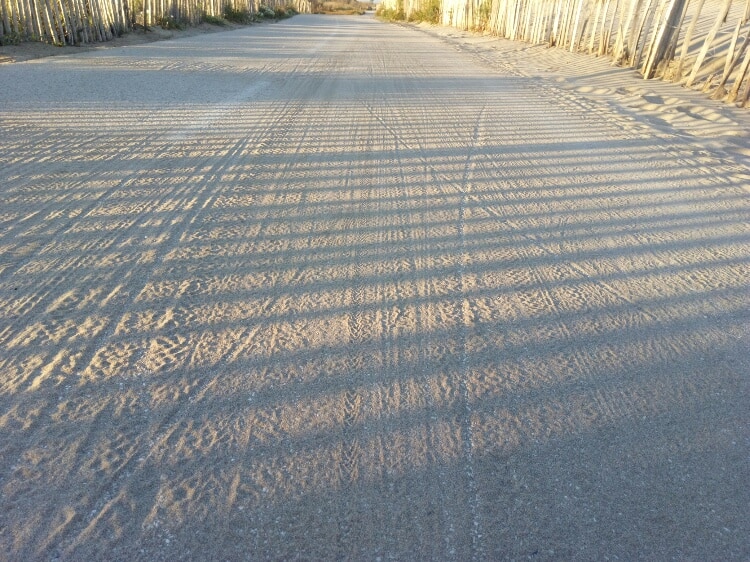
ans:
(170, 22)
(13, 38)
(340, 7)
(485, 11)
(265, 12)
(214, 20)
(429, 13)
(245, 16)
(237, 16)
(283, 13)
(391, 14)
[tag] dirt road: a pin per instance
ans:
(336, 289)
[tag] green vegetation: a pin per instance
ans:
(237, 15)
(391, 14)
(283, 13)
(12, 38)
(340, 7)
(170, 22)
(429, 12)
(264, 13)
(214, 20)
(485, 13)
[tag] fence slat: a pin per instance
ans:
(720, 89)
(733, 93)
(664, 36)
(720, 18)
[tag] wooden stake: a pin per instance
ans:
(576, 24)
(635, 38)
(660, 47)
(655, 30)
(707, 43)
(732, 46)
(672, 45)
(720, 90)
(592, 38)
(606, 38)
(5, 27)
(740, 77)
(620, 51)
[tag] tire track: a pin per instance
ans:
(356, 334)
(357, 340)
(458, 191)
(467, 321)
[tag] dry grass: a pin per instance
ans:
(341, 7)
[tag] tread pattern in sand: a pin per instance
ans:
(342, 303)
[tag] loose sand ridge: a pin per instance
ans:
(338, 289)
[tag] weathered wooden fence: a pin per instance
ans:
(74, 22)
(701, 43)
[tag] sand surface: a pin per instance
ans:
(337, 289)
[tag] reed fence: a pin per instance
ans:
(701, 43)
(73, 22)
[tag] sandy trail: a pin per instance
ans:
(334, 289)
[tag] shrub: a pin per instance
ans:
(485, 12)
(265, 12)
(430, 12)
(13, 38)
(391, 14)
(214, 20)
(339, 7)
(283, 13)
(237, 16)
(170, 22)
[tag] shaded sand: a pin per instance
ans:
(334, 289)
(30, 50)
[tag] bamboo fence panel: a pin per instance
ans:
(660, 38)
(71, 22)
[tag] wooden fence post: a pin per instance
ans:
(720, 90)
(663, 39)
(721, 17)
(740, 77)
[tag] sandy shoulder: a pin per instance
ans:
(717, 130)
(31, 50)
